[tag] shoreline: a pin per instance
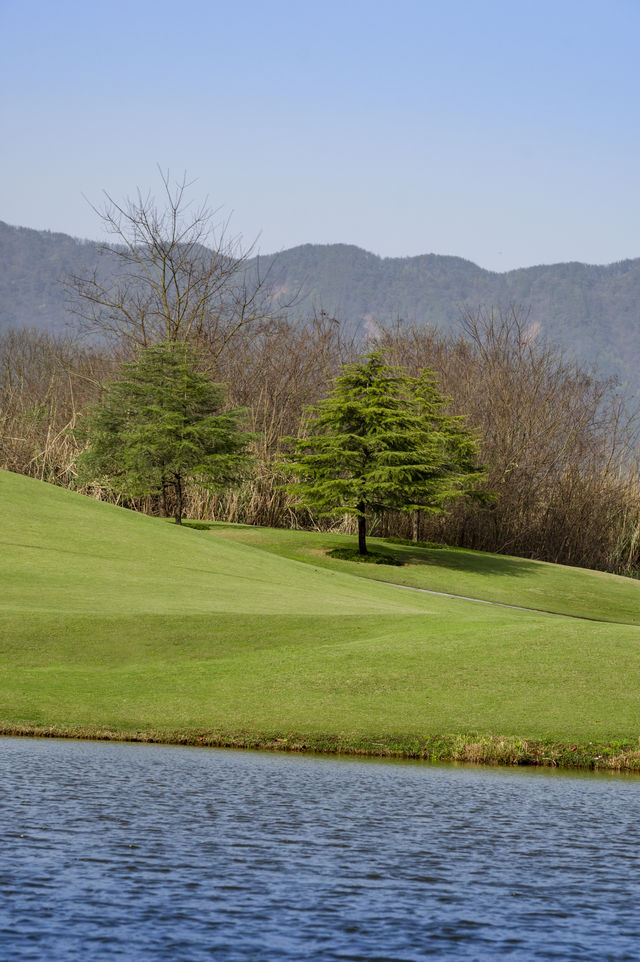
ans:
(473, 748)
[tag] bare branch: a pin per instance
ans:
(174, 272)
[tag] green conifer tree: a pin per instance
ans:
(160, 424)
(381, 440)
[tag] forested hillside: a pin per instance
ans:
(591, 311)
(33, 265)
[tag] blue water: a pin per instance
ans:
(153, 853)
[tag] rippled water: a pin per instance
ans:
(145, 852)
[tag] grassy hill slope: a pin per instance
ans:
(558, 589)
(114, 621)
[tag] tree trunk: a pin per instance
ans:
(178, 509)
(416, 525)
(165, 509)
(362, 530)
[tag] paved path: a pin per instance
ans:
(501, 604)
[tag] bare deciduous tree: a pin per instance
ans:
(45, 380)
(274, 371)
(178, 276)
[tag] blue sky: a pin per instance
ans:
(503, 132)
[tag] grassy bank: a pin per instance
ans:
(117, 625)
(466, 748)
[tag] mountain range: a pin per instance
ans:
(592, 312)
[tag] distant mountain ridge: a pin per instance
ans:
(592, 311)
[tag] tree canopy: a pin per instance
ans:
(161, 423)
(381, 440)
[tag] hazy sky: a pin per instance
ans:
(503, 131)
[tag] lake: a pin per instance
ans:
(138, 852)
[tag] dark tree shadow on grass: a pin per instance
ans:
(459, 559)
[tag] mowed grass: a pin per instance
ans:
(112, 620)
(546, 587)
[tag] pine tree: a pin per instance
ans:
(381, 440)
(161, 424)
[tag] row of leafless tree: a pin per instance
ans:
(559, 445)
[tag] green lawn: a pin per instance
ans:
(475, 574)
(112, 620)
